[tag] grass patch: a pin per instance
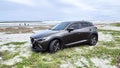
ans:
(35, 61)
(107, 43)
(16, 30)
(114, 33)
(5, 66)
(85, 65)
(116, 24)
(91, 64)
(15, 43)
(102, 52)
(46, 60)
(6, 55)
(117, 39)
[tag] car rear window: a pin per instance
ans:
(86, 24)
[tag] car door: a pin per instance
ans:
(72, 36)
(84, 31)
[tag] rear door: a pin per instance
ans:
(84, 31)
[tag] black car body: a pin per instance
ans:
(65, 34)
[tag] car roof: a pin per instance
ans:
(87, 22)
(79, 22)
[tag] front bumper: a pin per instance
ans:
(39, 45)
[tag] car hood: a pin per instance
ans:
(43, 33)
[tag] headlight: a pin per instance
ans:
(42, 39)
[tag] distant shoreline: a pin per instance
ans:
(41, 23)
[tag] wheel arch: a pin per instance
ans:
(55, 38)
(93, 34)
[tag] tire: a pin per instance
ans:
(92, 40)
(54, 46)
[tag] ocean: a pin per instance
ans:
(30, 23)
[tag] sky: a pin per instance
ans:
(62, 10)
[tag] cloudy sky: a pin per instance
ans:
(37, 10)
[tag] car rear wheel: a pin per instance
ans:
(93, 40)
(54, 46)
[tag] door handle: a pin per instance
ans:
(90, 29)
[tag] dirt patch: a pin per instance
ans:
(42, 27)
(13, 30)
(16, 30)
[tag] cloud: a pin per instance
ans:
(33, 3)
(24, 2)
(44, 3)
(60, 9)
(79, 4)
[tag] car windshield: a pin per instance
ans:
(60, 26)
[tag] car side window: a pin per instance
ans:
(84, 24)
(74, 26)
(90, 24)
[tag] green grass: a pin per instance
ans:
(15, 43)
(103, 52)
(35, 61)
(117, 39)
(6, 55)
(91, 64)
(116, 24)
(107, 43)
(5, 66)
(114, 33)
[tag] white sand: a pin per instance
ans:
(110, 28)
(105, 37)
(37, 31)
(12, 61)
(6, 38)
(23, 50)
(102, 63)
(79, 64)
(67, 65)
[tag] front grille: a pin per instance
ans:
(32, 40)
(36, 45)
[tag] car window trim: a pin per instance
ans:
(71, 24)
(67, 26)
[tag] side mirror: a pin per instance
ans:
(70, 29)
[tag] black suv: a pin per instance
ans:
(65, 34)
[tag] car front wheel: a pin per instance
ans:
(54, 46)
(93, 40)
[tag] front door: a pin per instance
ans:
(72, 36)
